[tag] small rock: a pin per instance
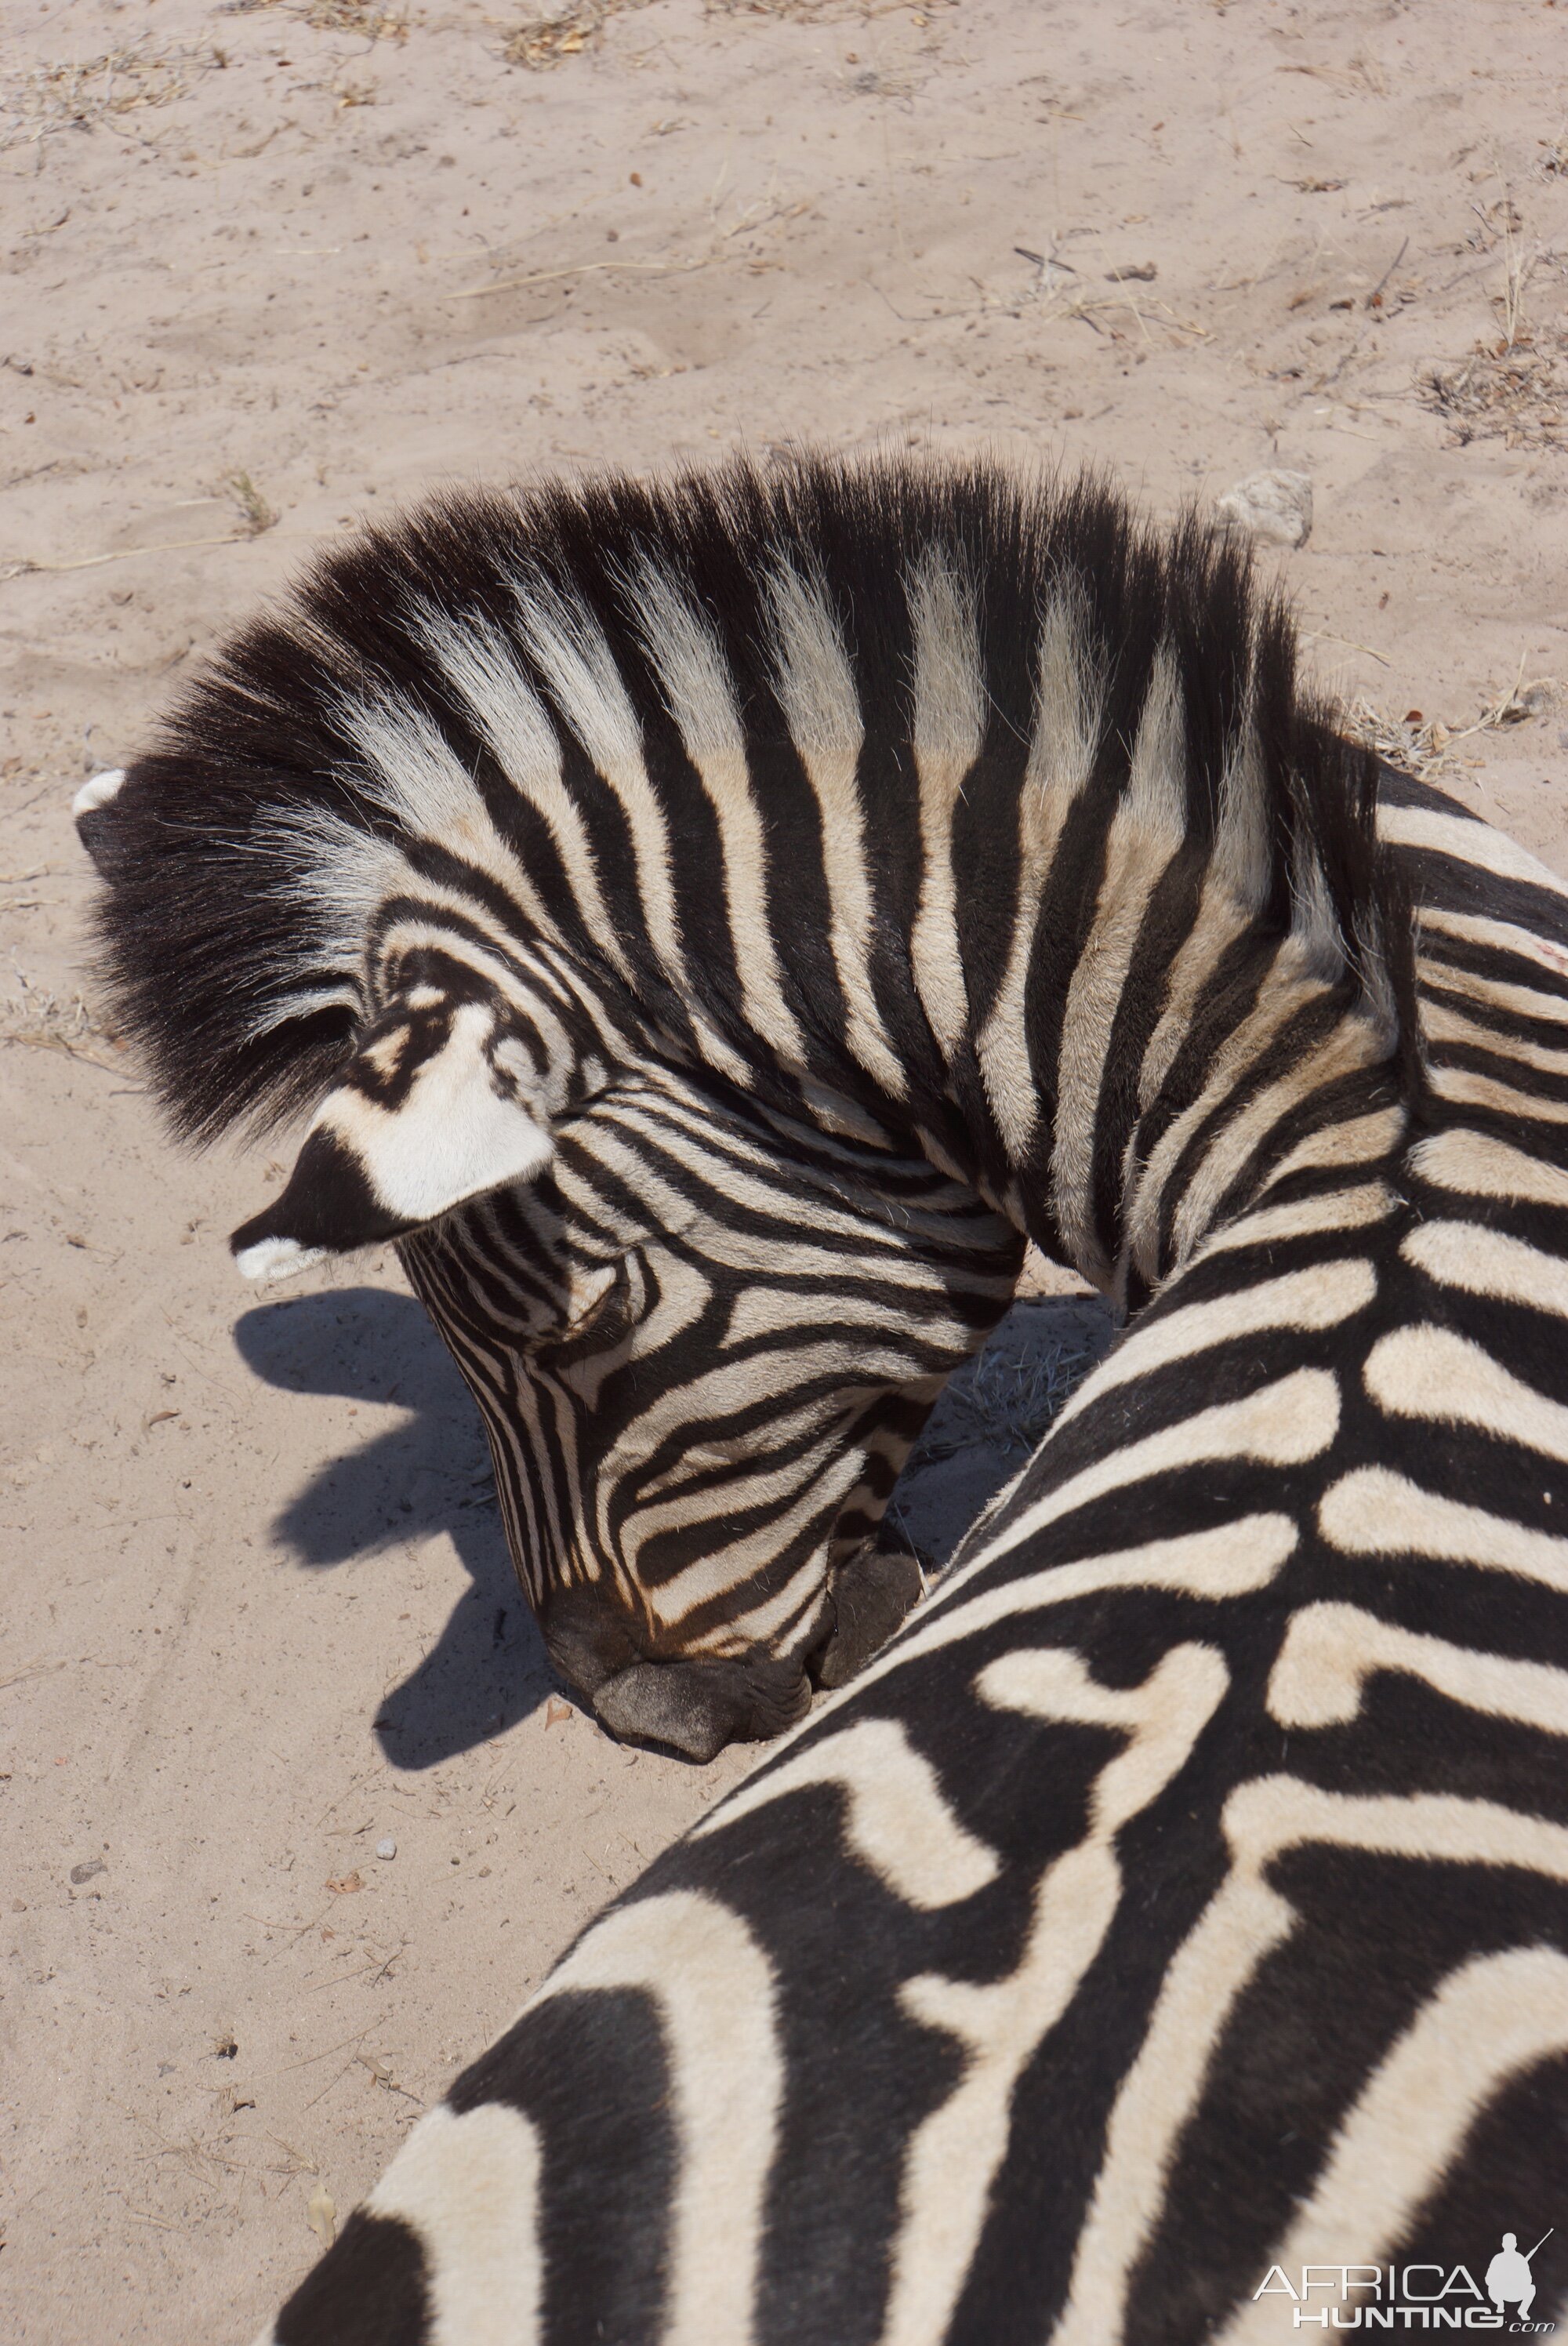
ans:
(386, 1846)
(80, 1873)
(1276, 507)
(1133, 272)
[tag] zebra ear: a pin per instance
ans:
(417, 1125)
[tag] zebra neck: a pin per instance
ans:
(1177, 1107)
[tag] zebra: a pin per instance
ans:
(1165, 1937)
(1073, 1977)
(532, 800)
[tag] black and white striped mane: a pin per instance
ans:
(835, 628)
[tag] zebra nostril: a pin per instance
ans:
(697, 1707)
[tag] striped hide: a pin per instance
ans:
(1164, 1939)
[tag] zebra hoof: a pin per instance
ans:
(697, 1707)
(872, 1591)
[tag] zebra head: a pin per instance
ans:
(701, 1354)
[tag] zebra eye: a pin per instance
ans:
(607, 1318)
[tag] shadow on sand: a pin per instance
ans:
(429, 1474)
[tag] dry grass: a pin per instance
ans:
(42, 1020)
(1424, 745)
(821, 12)
(74, 95)
(542, 43)
(368, 19)
(1514, 387)
(1009, 1395)
(372, 20)
(255, 514)
(1515, 390)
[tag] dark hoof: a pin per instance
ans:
(697, 1707)
(872, 1591)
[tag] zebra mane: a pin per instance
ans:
(854, 620)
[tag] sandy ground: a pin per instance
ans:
(272, 267)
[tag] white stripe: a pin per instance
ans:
(1485, 1262)
(1320, 1674)
(1322, 1296)
(1467, 1089)
(469, 2188)
(896, 1818)
(1430, 1372)
(1444, 1023)
(1480, 928)
(1497, 993)
(1484, 1166)
(948, 727)
(1281, 1424)
(816, 689)
(1375, 1513)
(1335, 1209)
(1062, 746)
(1469, 841)
(690, 662)
(713, 1987)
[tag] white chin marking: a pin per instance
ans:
(98, 791)
(277, 1259)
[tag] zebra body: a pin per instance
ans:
(1181, 1899)
(900, 813)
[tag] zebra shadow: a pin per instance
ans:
(429, 1474)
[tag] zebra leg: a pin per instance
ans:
(872, 1592)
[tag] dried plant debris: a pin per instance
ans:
(76, 96)
(819, 12)
(1424, 745)
(1516, 391)
(1417, 744)
(369, 18)
(255, 514)
(541, 43)
(37, 1017)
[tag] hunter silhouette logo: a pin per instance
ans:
(1415, 2295)
(1509, 2280)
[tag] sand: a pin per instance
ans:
(276, 266)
